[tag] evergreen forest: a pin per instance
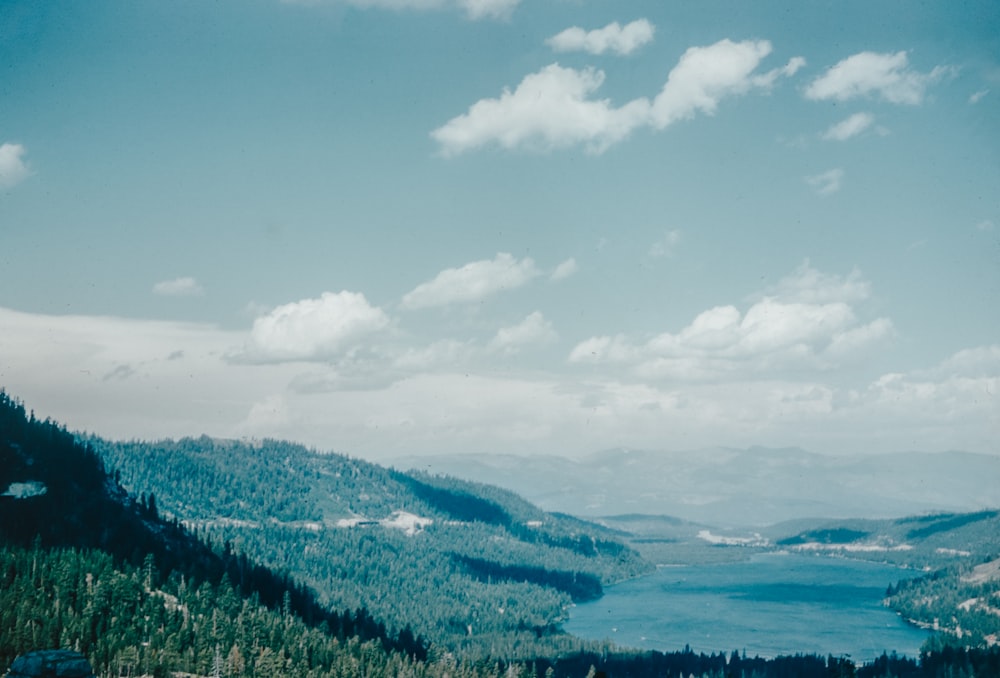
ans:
(222, 558)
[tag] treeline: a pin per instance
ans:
(580, 586)
(131, 621)
(77, 504)
(407, 580)
(965, 610)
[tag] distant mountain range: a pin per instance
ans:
(723, 486)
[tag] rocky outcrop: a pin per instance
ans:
(51, 664)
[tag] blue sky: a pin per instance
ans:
(393, 227)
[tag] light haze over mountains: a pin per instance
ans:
(747, 487)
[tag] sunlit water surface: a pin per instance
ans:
(774, 604)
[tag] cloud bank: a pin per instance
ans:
(806, 322)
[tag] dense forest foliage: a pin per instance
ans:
(471, 567)
(131, 621)
(962, 602)
(84, 565)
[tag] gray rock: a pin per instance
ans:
(51, 664)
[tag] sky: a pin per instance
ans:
(404, 227)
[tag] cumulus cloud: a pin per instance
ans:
(565, 270)
(976, 97)
(533, 330)
(705, 76)
(178, 287)
(554, 108)
(550, 109)
(808, 321)
(472, 282)
(849, 127)
(13, 169)
(314, 329)
(612, 38)
(809, 285)
(886, 76)
(56, 364)
(981, 361)
(474, 9)
(827, 182)
(664, 247)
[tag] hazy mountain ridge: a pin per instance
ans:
(754, 486)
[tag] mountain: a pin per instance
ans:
(87, 565)
(139, 590)
(471, 567)
(754, 486)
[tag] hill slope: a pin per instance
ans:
(470, 566)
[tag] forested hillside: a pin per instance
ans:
(85, 565)
(955, 589)
(469, 566)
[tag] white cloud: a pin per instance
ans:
(597, 350)
(549, 109)
(443, 353)
(178, 287)
(533, 330)
(314, 329)
(806, 323)
(873, 74)
(664, 247)
(827, 182)
(13, 169)
(811, 286)
(472, 282)
(981, 361)
(985, 225)
(705, 76)
(491, 9)
(182, 384)
(474, 9)
(959, 393)
(554, 108)
(612, 38)
(849, 127)
(976, 97)
(565, 270)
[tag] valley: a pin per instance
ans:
(268, 558)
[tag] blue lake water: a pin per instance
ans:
(771, 605)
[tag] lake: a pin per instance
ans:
(772, 604)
